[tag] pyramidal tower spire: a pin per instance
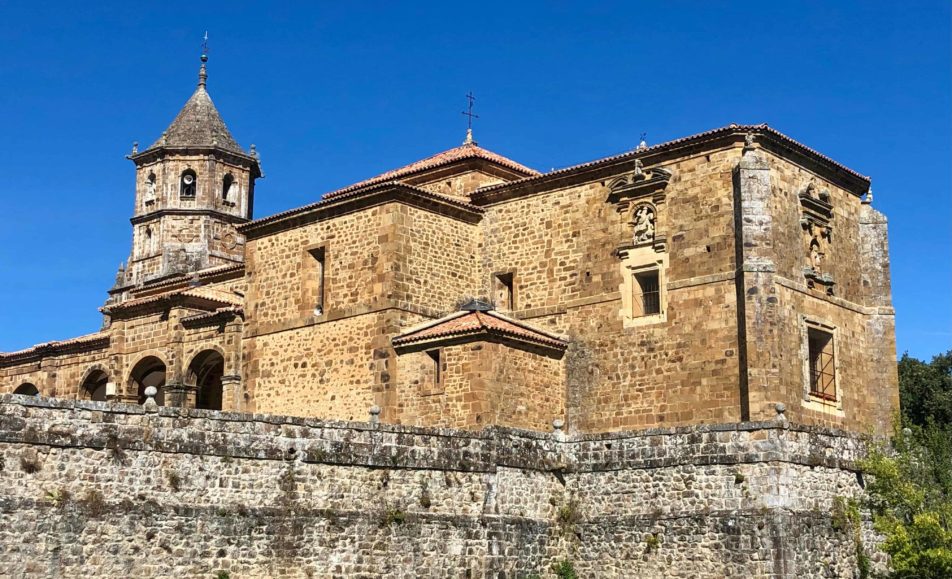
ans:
(194, 185)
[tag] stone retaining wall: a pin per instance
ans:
(96, 490)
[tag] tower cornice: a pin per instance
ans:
(156, 154)
(159, 213)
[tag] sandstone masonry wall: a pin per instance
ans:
(92, 489)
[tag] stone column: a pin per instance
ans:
(231, 399)
(179, 395)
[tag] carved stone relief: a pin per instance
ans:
(643, 224)
(816, 215)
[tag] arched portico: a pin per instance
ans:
(205, 374)
(149, 371)
(93, 386)
(27, 389)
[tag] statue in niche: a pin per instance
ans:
(644, 225)
(815, 255)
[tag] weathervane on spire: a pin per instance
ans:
(202, 73)
(469, 124)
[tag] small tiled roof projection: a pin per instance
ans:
(466, 323)
(463, 152)
(198, 124)
(214, 296)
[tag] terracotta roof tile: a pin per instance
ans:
(463, 152)
(88, 338)
(223, 298)
(482, 194)
(465, 323)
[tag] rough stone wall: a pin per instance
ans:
(436, 260)
(561, 245)
(90, 489)
(458, 184)
(354, 275)
(481, 384)
(325, 369)
(859, 308)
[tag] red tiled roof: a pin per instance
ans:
(466, 323)
(482, 194)
(205, 293)
(55, 345)
(227, 310)
(463, 152)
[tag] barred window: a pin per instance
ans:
(647, 294)
(822, 365)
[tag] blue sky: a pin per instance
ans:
(332, 93)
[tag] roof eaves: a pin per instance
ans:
(486, 194)
(366, 191)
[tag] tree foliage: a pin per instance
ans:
(910, 487)
(925, 390)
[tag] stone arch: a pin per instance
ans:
(93, 384)
(205, 372)
(228, 188)
(150, 370)
(27, 389)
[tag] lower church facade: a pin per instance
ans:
(659, 363)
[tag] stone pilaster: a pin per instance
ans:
(756, 299)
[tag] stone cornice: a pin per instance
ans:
(156, 153)
(724, 137)
(153, 215)
(359, 199)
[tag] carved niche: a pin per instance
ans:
(640, 196)
(816, 217)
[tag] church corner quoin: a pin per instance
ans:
(661, 363)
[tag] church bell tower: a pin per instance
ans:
(194, 185)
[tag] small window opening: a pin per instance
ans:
(188, 184)
(318, 256)
(822, 365)
(437, 357)
(647, 298)
(502, 288)
(226, 187)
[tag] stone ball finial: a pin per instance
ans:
(375, 414)
(781, 409)
(558, 424)
(150, 403)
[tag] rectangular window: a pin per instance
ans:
(317, 280)
(822, 364)
(646, 300)
(502, 290)
(436, 356)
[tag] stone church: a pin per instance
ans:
(727, 276)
